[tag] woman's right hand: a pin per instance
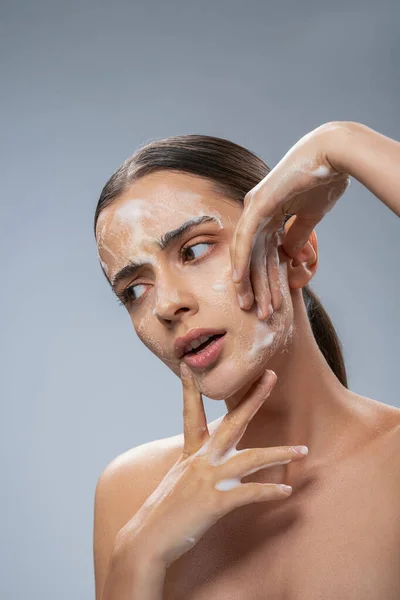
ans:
(204, 484)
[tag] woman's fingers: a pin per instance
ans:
(249, 225)
(259, 277)
(244, 290)
(298, 234)
(250, 460)
(234, 423)
(314, 204)
(246, 252)
(195, 430)
(273, 270)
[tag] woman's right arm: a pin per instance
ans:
(201, 487)
(133, 574)
(121, 490)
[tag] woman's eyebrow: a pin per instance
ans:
(164, 242)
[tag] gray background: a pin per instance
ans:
(84, 83)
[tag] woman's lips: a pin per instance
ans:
(182, 342)
(207, 356)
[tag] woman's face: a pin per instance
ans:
(188, 284)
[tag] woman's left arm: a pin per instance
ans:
(371, 158)
(307, 182)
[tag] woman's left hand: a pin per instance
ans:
(304, 183)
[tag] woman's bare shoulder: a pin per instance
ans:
(133, 475)
(382, 425)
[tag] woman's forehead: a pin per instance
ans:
(156, 199)
(136, 220)
(169, 189)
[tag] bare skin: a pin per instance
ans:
(344, 505)
(335, 536)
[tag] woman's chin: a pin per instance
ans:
(223, 386)
(230, 379)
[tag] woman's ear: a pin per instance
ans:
(301, 269)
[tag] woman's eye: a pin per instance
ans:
(130, 293)
(189, 249)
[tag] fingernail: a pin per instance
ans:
(286, 488)
(240, 300)
(259, 312)
(184, 370)
(235, 276)
(270, 310)
(267, 376)
(301, 449)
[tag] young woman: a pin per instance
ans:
(204, 515)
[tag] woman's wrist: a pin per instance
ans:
(339, 144)
(134, 573)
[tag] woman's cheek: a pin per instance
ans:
(142, 323)
(215, 285)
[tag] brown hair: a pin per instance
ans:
(233, 171)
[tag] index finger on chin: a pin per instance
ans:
(195, 430)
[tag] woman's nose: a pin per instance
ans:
(171, 301)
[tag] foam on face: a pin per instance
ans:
(262, 339)
(214, 301)
(250, 341)
(131, 222)
(218, 287)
